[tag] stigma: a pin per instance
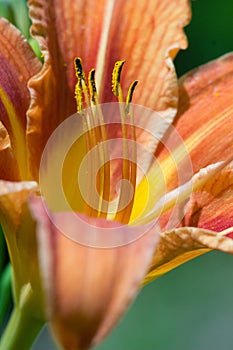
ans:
(89, 107)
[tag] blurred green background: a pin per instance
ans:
(190, 308)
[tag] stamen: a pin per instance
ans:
(86, 94)
(129, 96)
(116, 76)
(78, 86)
(133, 174)
(78, 97)
(124, 215)
(79, 68)
(81, 86)
(104, 188)
(128, 167)
(81, 91)
(92, 86)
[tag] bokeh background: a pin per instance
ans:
(190, 308)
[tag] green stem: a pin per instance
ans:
(21, 331)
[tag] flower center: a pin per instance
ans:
(98, 146)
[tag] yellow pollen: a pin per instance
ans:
(116, 75)
(96, 140)
(78, 97)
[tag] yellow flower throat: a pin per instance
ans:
(97, 142)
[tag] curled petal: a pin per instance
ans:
(209, 209)
(88, 288)
(52, 100)
(18, 64)
(177, 209)
(183, 244)
(170, 208)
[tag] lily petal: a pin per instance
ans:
(87, 29)
(52, 101)
(148, 43)
(183, 244)
(18, 64)
(169, 207)
(90, 29)
(205, 117)
(19, 231)
(177, 202)
(88, 288)
(211, 207)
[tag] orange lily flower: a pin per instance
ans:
(83, 290)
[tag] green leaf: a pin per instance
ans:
(2, 250)
(6, 10)
(36, 48)
(5, 293)
(21, 19)
(16, 12)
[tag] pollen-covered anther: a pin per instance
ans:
(78, 97)
(116, 76)
(78, 86)
(81, 88)
(79, 68)
(92, 86)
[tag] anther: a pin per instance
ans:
(130, 95)
(92, 86)
(79, 85)
(79, 68)
(116, 75)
